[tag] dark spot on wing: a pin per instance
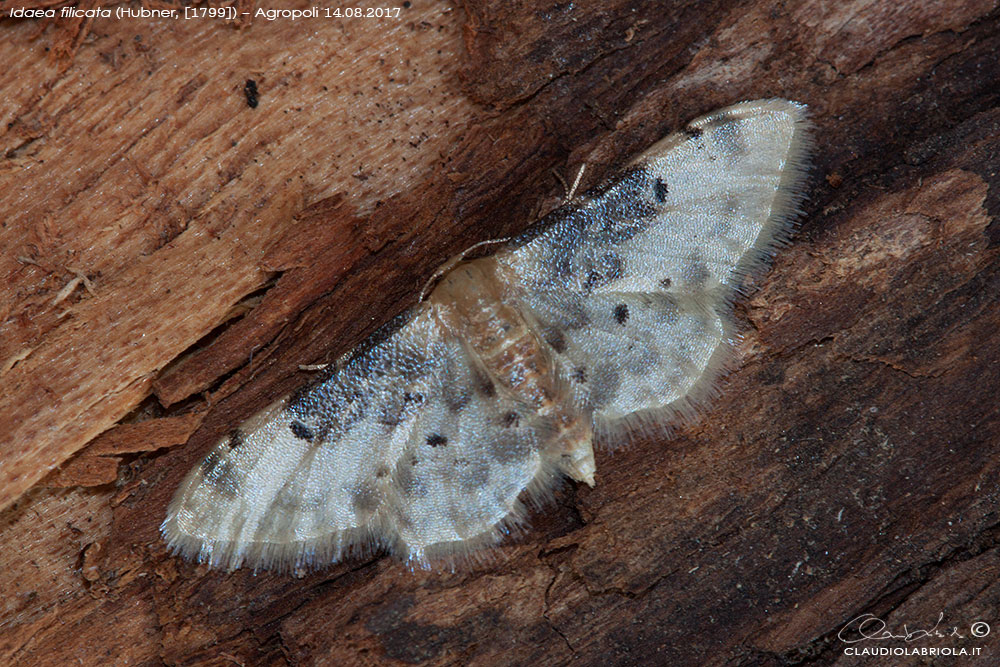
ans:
(621, 314)
(301, 431)
(390, 415)
(483, 383)
(623, 211)
(381, 471)
(665, 283)
(697, 272)
(693, 132)
(511, 420)
(611, 266)
(579, 375)
(556, 339)
(660, 190)
(235, 438)
(594, 279)
(210, 462)
(455, 397)
(398, 407)
(220, 474)
(606, 270)
(436, 440)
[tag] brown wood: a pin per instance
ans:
(172, 255)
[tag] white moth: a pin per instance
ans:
(428, 439)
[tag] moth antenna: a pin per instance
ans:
(453, 262)
(576, 184)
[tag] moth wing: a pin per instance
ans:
(629, 352)
(470, 455)
(405, 445)
(632, 286)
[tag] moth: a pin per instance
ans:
(433, 436)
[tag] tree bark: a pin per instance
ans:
(172, 254)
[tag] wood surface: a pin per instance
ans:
(171, 255)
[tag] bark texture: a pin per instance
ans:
(171, 254)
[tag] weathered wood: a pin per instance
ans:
(171, 256)
(97, 463)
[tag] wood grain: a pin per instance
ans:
(171, 255)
